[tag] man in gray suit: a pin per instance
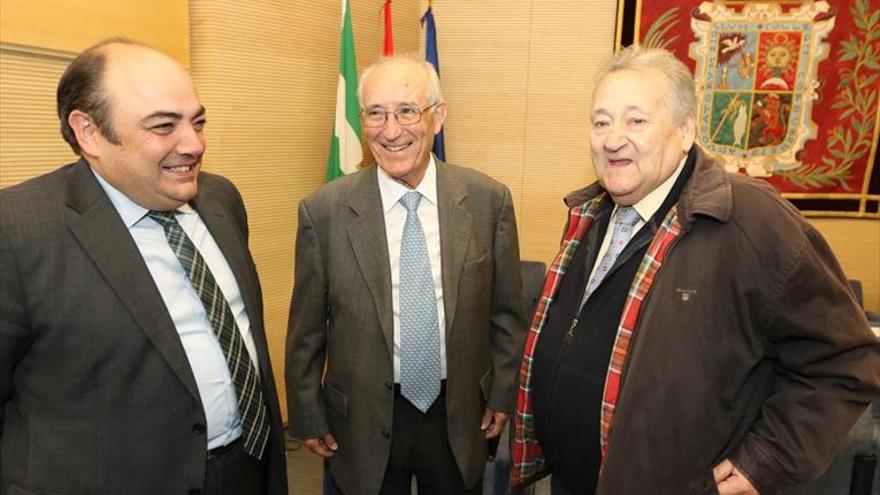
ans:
(406, 315)
(132, 352)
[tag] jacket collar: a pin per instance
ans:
(707, 192)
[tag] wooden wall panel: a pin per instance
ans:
(30, 139)
(856, 243)
(72, 26)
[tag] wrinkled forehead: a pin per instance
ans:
(397, 82)
(631, 88)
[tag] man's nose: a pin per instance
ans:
(192, 141)
(615, 139)
(392, 128)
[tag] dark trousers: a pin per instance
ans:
(231, 471)
(558, 488)
(420, 448)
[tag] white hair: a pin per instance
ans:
(682, 99)
(432, 80)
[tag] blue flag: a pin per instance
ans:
(431, 56)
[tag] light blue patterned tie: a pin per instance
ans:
(626, 218)
(419, 330)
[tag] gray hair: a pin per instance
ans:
(682, 99)
(431, 78)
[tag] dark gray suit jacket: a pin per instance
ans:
(341, 314)
(96, 393)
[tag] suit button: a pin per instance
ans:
(385, 432)
(198, 429)
(195, 491)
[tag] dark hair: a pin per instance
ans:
(81, 88)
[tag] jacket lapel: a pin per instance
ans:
(100, 231)
(368, 241)
(229, 239)
(232, 245)
(455, 234)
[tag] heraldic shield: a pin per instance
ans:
(756, 70)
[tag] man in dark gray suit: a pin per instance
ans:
(133, 357)
(408, 289)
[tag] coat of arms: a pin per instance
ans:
(756, 70)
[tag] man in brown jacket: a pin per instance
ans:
(696, 335)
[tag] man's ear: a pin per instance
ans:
(86, 132)
(688, 133)
(439, 116)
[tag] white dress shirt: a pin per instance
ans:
(646, 207)
(395, 216)
(202, 348)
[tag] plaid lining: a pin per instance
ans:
(528, 459)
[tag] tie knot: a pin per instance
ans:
(627, 215)
(165, 218)
(411, 200)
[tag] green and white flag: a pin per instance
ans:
(345, 146)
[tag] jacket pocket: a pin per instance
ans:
(479, 258)
(336, 400)
(709, 486)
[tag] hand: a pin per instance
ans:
(493, 422)
(731, 481)
(325, 445)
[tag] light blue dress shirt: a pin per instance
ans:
(202, 348)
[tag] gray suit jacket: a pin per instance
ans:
(96, 393)
(341, 315)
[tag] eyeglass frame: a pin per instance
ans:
(394, 112)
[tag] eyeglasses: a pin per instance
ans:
(406, 115)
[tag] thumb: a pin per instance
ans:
(722, 471)
(487, 419)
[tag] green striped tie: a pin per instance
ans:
(251, 405)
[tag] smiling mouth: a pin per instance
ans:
(398, 148)
(180, 169)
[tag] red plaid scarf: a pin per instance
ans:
(527, 457)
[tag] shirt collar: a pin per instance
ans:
(391, 190)
(647, 206)
(130, 211)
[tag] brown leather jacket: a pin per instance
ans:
(750, 347)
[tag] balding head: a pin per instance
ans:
(82, 86)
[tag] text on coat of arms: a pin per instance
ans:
(756, 78)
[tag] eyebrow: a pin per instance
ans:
(160, 114)
(627, 108)
(397, 105)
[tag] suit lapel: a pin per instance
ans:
(225, 231)
(368, 241)
(100, 231)
(229, 239)
(455, 234)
